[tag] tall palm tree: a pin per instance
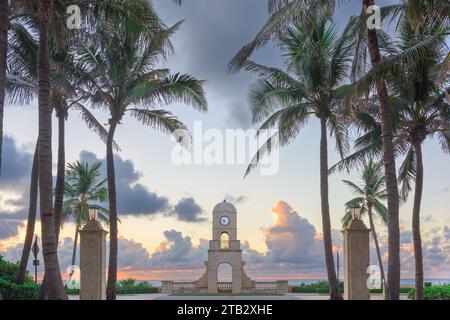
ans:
(373, 48)
(83, 190)
(370, 195)
(125, 80)
(4, 26)
(317, 62)
(55, 287)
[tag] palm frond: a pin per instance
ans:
(407, 173)
(93, 124)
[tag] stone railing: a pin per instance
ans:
(178, 287)
(224, 287)
(279, 287)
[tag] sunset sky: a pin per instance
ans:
(165, 209)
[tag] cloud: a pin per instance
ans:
(16, 165)
(188, 210)
(235, 199)
(239, 116)
(132, 255)
(178, 252)
(14, 183)
(406, 236)
(292, 239)
(9, 228)
(133, 198)
(447, 233)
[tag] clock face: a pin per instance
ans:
(224, 220)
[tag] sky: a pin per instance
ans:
(165, 208)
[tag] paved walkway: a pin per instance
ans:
(289, 296)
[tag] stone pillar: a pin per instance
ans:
(356, 261)
(236, 276)
(93, 262)
(212, 279)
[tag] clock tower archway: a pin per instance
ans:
(225, 248)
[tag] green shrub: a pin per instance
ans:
(12, 291)
(127, 286)
(316, 287)
(130, 286)
(72, 291)
(441, 292)
(8, 287)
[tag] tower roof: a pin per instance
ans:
(223, 207)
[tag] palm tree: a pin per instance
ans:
(82, 187)
(283, 13)
(125, 79)
(55, 287)
(370, 194)
(318, 62)
(31, 219)
(373, 48)
(4, 25)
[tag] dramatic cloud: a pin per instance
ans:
(292, 238)
(14, 185)
(133, 198)
(188, 210)
(16, 165)
(178, 252)
(132, 256)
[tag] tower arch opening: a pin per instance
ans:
(224, 241)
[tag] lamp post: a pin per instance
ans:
(93, 259)
(93, 213)
(356, 211)
(356, 257)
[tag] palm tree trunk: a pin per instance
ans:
(417, 239)
(54, 284)
(112, 269)
(4, 26)
(59, 187)
(326, 224)
(393, 285)
(377, 247)
(75, 242)
(31, 222)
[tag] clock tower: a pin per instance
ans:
(225, 248)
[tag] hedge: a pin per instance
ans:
(8, 287)
(441, 292)
(12, 291)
